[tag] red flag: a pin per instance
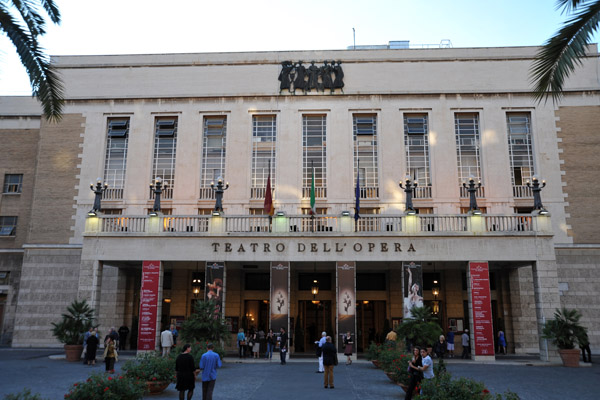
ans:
(269, 209)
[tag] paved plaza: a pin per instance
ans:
(52, 377)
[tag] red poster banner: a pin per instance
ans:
(148, 305)
(483, 330)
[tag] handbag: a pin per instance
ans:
(242, 342)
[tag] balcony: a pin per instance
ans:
(320, 225)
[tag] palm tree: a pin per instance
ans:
(22, 22)
(563, 52)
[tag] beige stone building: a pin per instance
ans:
(440, 116)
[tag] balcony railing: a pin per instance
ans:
(113, 194)
(320, 193)
(306, 224)
(422, 192)
(167, 193)
(464, 193)
(522, 192)
(207, 193)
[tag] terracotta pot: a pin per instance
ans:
(403, 386)
(390, 376)
(73, 352)
(155, 387)
(570, 357)
(375, 363)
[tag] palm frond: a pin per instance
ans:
(35, 22)
(52, 10)
(568, 5)
(562, 53)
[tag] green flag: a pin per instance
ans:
(313, 210)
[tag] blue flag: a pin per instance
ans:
(357, 194)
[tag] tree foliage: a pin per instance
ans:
(421, 329)
(22, 22)
(563, 52)
(205, 324)
(78, 320)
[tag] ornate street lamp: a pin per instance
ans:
(98, 190)
(219, 190)
(196, 283)
(536, 188)
(472, 189)
(157, 187)
(314, 289)
(409, 188)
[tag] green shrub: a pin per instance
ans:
(443, 387)
(199, 348)
(25, 394)
(107, 387)
(78, 320)
(150, 367)
(205, 324)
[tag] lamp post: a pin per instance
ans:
(157, 187)
(536, 188)
(98, 189)
(196, 283)
(219, 190)
(409, 188)
(472, 188)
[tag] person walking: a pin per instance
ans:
(166, 342)
(175, 334)
(414, 369)
(241, 342)
(466, 344)
(329, 361)
(110, 355)
(209, 363)
(320, 344)
(270, 344)
(91, 347)
(348, 344)
(186, 377)
(501, 342)
(440, 347)
(450, 341)
(283, 339)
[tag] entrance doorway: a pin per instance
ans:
(256, 315)
(369, 323)
(313, 318)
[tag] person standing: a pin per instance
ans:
(185, 368)
(91, 349)
(110, 355)
(209, 363)
(329, 360)
(123, 332)
(166, 342)
(450, 341)
(414, 369)
(320, 344)
(440, 347)
(466, 344)
(427, 367)
(174, 332)
(270, 344)
(255, 345)
(391, 338)
(348, 344)
(501, 342)
(241, 342)
(283, 339)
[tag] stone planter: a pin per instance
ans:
(155, 387)
(570, 357)
(390, 376)
(73, 352)
(375, 363)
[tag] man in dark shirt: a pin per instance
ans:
(329, 360)
(283, 338)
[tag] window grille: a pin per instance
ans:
(13, 183)
(314, 154)
(115, 163)
(264, 143)
(365, 155)
(213, 154)
(8, 226)
(165, 146)
(466, 128)
(520, 148)
(416, 143)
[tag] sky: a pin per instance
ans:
(196, 26)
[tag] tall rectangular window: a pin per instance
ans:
(264, 144)
(466, 129)
(314, 155)
(13, 183)
(214, 138)
(115, 163)
(365, 155)
(165, 146)
(416, 144)
(520, 150)
(8, 226)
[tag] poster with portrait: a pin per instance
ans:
(412, 288)
(215, 284)
(280, 294)
(346, 300)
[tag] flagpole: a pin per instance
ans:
(312, 197)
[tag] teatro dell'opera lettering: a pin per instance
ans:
(311, 247)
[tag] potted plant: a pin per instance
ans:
(421, 329)
(69, 331)
(205, 324)
(154, 371)
(106, 387)
(564, 331)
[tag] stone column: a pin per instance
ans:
(90, 283)
(547, 300)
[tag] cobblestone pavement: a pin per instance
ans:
(261, 379)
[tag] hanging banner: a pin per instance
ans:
(215, 282)
(280, 295)
(148, 305)
(483, 331)
(346, 301)
(412, 288)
